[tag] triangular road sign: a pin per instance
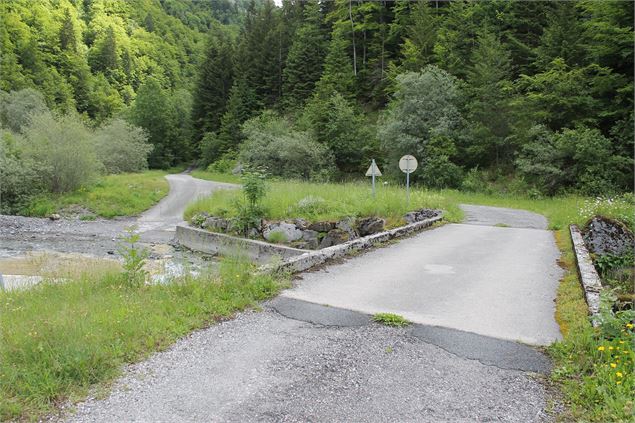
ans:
(373, 168)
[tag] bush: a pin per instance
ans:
(212, 147)
(581, 159)
(63, 147)
(20, 179)
(272, 144)
(437, 170)
(17, 108)
(122, 147)
(226, 164)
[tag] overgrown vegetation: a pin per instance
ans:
(390, 319)
(126, 194)
(59, 340)
(328, 201)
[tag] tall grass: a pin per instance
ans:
(58, 340)
(330, 202)
(113, 195)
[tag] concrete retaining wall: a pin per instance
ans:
(589, 277)
(315, 258)
(215, 243)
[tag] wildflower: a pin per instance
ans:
(613, 365)
(618, 374)
(610, 348)
(621, 342)
(619, 382)
(601, 348)
(629, 325)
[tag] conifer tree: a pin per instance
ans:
(304, 62)
(67, 33)
(214, 84)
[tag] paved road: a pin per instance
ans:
(494, 281)
(299, 361)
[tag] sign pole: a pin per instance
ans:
(408, 189)
(373, 172)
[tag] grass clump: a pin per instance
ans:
(59, 340)
(329, 201)
(114, 195)
(390, 319)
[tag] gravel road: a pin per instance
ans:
(99, 237)
(266, 367)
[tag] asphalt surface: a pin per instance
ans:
(302, 361)
(495, 281)
(265, 367)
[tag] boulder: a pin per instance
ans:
(322, 226)
(370, 225)
(334, 237)
(311, 239)
(348, 225)
(289, 230)
(421, 214)
(606, 236)
(301, 223)
(55, 216)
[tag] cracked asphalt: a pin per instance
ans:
(299, 360)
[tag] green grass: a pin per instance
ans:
(59, 340)
(216, 176)
(113, 195)
(329, 202)
(390, 319)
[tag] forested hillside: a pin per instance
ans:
(531, 97)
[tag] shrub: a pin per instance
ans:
(225, 164)
(212, 147)
(20, 178)
(17, 108)
(580, 158)
(63, 147)
(122, 147)
(437, 170)
(272, 144)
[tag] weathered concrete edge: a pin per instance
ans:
(588, 275)
(315, 258)
(215, 243)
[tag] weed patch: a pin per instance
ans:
(390, 319)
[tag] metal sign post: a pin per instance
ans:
(373, 171)
(408, 164)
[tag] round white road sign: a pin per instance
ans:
(408, 164)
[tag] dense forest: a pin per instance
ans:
(529, 97)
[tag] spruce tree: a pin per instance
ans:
(242, 105)
(214, 84)
(304, 62)
(489, 89)
(67, 33)
(421, 34)
(338, 75)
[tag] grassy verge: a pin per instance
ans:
(59, 340)
(317, 202)
(113, 195)
(216, 176)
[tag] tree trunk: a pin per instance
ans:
(350, 15)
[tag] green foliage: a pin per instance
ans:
(89, 328)
(596, 367)
(437, 167)
(580, 158)
(122, 147)
(272, 144)
(306, 55)
(63, 146)
(134, 258)
(165, 118)
(214, 84)
(390, 319)
(17, 108)
(425, 106)
(336, 123)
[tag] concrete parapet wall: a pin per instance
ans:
(589, 277)
(215, 243)
(314, 258)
